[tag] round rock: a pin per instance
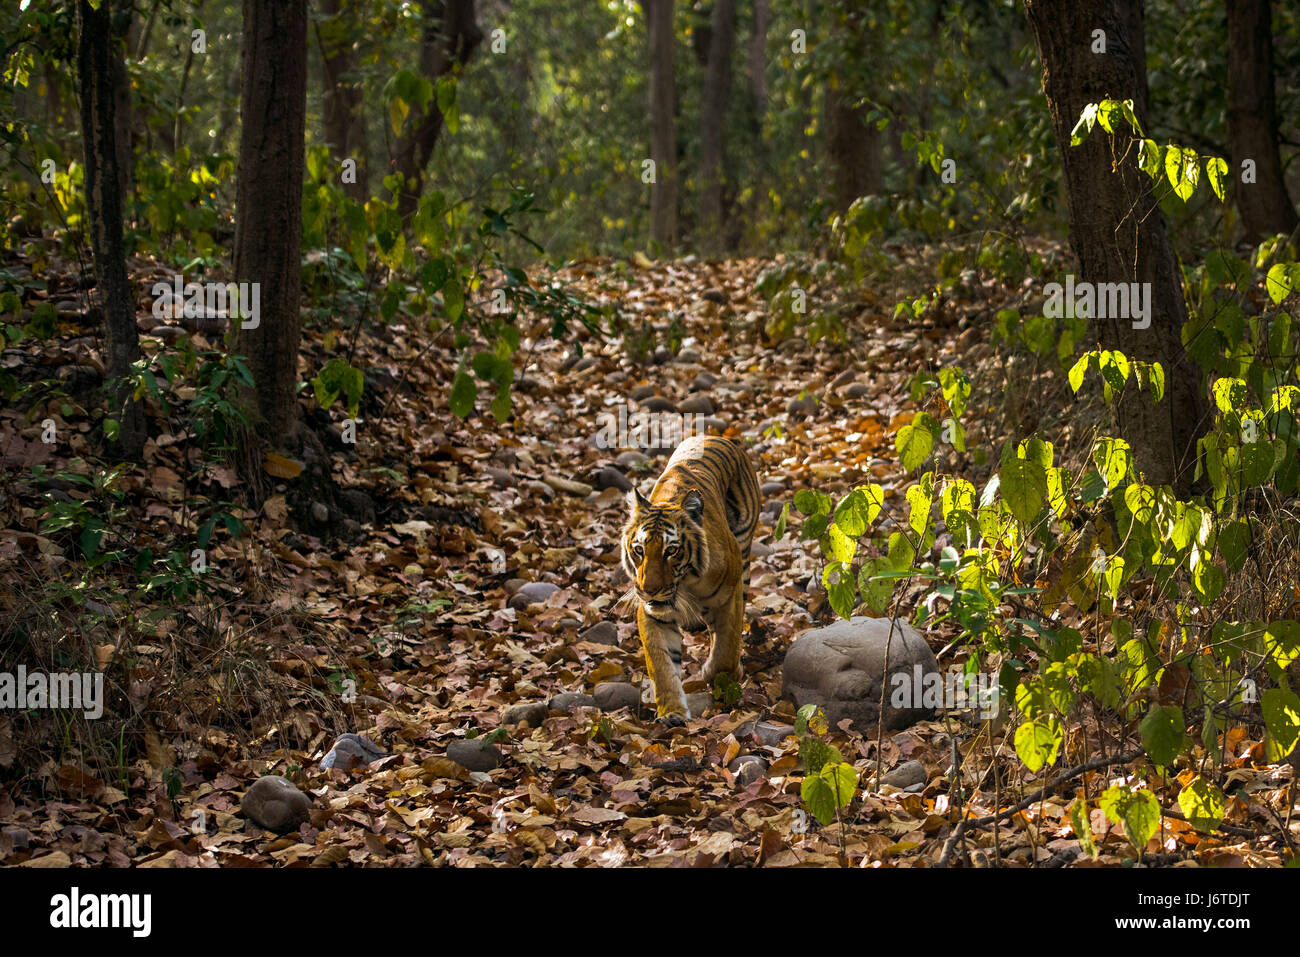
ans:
(612, 695)
(474, 754)
(534, 712)
(905, 775)
(532, 592)
(276, 804)
(840, 669)
(602, 633)
(352, 751)
(569, 700)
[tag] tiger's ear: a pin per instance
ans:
(693, 505)
(636, 501)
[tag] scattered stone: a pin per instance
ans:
(569, 700)
(804, 406)
(771, 733)
(532, 592)
(906, 775)
(276, 804)
(632, 460)
(602, 633)
(710, 422)
(501, 478)
(540, 488)
(534, 712)
(585, 363)
(700, 702)
(857, 390)
(610, 477)
(697, 403)
(715, 295)
(474, 754)
(352, 751)
(612, 695)
(657, 403)
(513, 585)
(641, 392)
(760, 549)
(567, 624)
(319, 512)
(703, 382)
(567, 486)
(841, 667)
(772, 488)
(747, 768)
(844, 378)
(688, 356)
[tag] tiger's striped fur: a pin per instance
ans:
(686, 549)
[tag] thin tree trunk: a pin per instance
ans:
(855, 149)
(268, 212)
(713, 113)
(450, 35)
(96, 47)
(1117, 230)
(663, 124)
(1252, 121)
(344, 130)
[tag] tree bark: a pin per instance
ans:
(96, 47)
(450, 36)
(713, 114)
(268, 212)
(663, 123)
(1252, 121)
(1117, 230)
(344, 129)
(854, 147)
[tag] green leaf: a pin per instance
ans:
(1202, 804)
(463, 394)
(1280, 282)
(1137, 811)
(778, 532)
(815, 753)
(1162, 733)
(1217, 170)
(1282, 639)
(1024, 488)
(914, 444)
(830, 790)
(1281, 710)
(838, 579)
(812, 502)
(1037, 742)
(1182, 170)
(1234, 541)
(1083, 828)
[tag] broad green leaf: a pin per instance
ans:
(1037, 743)
(1234, 542)
(1024, 488)
(1202, 803)
(463, 394)
(1281, 710)
(829, 790)
(1282, 639)
(1138, 812)
(914, 444)
(1162, 733)
(1280, 282)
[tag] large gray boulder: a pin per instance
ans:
(840, 668)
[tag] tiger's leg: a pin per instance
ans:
(726, 624)
(663, 659)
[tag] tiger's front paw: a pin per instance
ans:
(674, 719)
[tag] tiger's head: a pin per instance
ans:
(661, 544)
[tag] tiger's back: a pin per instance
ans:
(721, 465)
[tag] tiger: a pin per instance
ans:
(686, 550)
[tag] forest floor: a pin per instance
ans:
(405, 630)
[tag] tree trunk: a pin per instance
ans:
(344, 129)
(1117, 230)
(268, 211)
(854, 147)
(450, 35)
(96, 46)
(713, 114)
(758, 59)
(663, 124)
(1252, 121)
